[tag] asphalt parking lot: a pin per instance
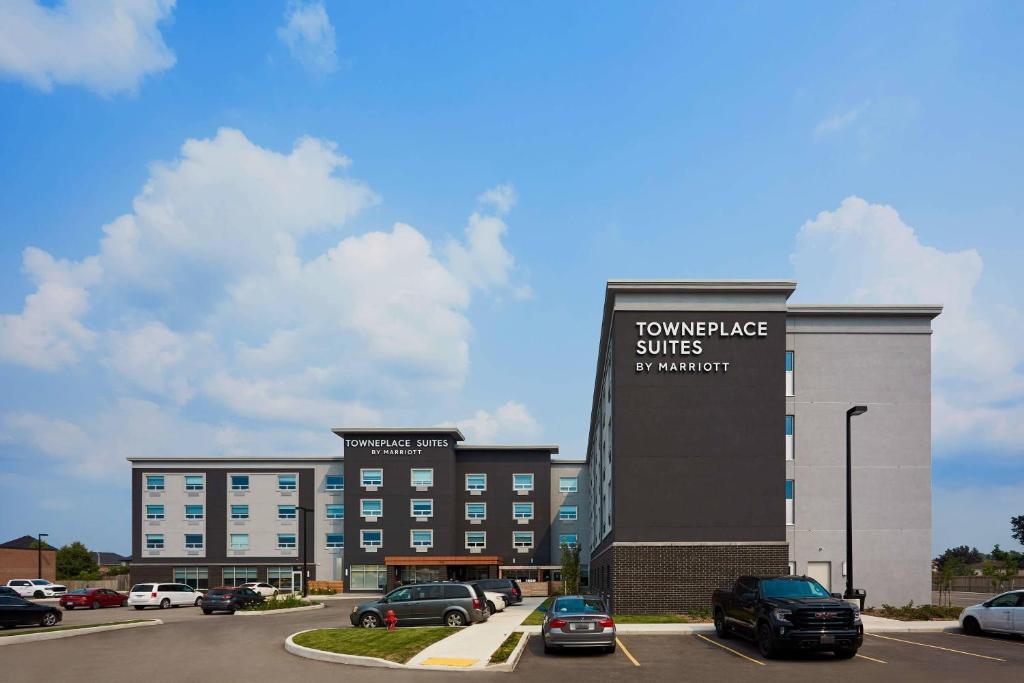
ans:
(193, 647)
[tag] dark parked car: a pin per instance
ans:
(7, 590)
(451, 604)
(93, 598)
(229, 599)
(578, 621)
(507, 587)
(788, 612)
(17, 611)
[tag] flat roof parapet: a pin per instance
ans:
(363, 431)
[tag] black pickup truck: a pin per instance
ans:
(788, 612)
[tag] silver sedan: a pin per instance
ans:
(578, 621)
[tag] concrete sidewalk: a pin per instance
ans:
(471, 648)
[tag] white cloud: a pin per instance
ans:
(207, 291)
(502, 197)
(48, 333)
(483, 261)
(107, 46)
(837, 122)
(865, 253)
(309, 35)
(510, 423)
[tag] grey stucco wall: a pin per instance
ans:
(885, 364)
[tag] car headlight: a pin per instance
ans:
(782, 614)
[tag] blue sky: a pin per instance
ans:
(210, 215)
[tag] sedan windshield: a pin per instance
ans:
(577, 605)
(793, 588)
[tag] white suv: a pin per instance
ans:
(163, 595)
(37, 588)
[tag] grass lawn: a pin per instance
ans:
(399, 646)
(52, 629)
(503, 652)
(536, 617)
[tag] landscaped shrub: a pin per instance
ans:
(912, 612)
(279, 602)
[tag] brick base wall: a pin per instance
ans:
(653, 579)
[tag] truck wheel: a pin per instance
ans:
(845, 652)
(766, 641)
(721, 629)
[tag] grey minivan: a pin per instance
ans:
(451, 604)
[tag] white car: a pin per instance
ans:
(163, 595)
(1002, 614)
(37, 588)
(495, 602)
(264, 589)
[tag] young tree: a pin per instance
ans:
(1017, 528)
(75, 561)
(960, 556)
(570, 569)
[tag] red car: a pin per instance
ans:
(93, 598)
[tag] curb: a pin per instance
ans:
(509, 665)
(286, 610)
(646, 629)
(69, 633)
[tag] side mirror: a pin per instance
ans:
(987, 604)
(837, 596)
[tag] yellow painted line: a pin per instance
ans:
(448, 661)
(871, 659)
(937, 647)
(724, 647)
(627, 652)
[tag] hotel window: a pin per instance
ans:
(522, 510)
(422, 478)
(154, 541)
(476, 482)
(239, 541)
(239, 482)
(374, 477)
(476, 539)
(371, 538)
(789, 373)
(567, 539)
(193, 512)
(239, 512)
(422, 507)
(422, 538)
(789, 437)
(476, 510)
(193, 541)
(286, 512)
(335, 540)
(335, 482)
(285, 541)
(193, 482)
(522, 539)
(236, 576)
(373, 577)
(522, 482)
(568, 512)
(790, 485)
(280, 577)
(154, 512)
(568, 484)
(197, 577)
(336, 511)
(371, 507)
(286, 482)
(154, 482)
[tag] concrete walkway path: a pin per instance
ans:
(471, 648)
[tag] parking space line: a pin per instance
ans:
(871, 659)
(984, 639)
(726, 647)
(937, 647)
(627, 652)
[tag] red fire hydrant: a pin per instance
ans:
(391, 620)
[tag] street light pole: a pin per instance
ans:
(305, 541)
(850, 593)
(39, 546)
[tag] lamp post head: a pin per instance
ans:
(857, 410)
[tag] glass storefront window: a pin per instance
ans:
(367, 577)
(236, 576)
(197, 577)
(280, 577)
(419, 574)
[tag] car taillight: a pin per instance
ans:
(476, 603)
(516, 591)
(606, 623)
(557, 623)
(152, 595)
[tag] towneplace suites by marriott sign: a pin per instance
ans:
(382, 446)
(680, 346)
